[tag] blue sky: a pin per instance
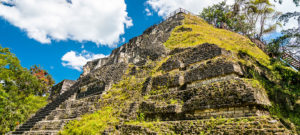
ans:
(31, 52)
(79, 30)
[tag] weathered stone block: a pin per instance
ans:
(166, 81)
(214, 69)
(152, 108)
(95, 88)
(146, 86)
(225, 94)
(60, 88)
(192, 55)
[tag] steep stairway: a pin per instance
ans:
(56, 114)
(42, 113)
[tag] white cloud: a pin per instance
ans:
(164, 7)
(287, 6)
(148, 12)
(123, 40)
(99, 21)
(77, 60)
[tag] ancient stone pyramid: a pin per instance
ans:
(199, 89)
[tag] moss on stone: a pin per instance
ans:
(119, 96)
(202, 32)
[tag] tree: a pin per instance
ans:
(243, 16)
(291, 36)
(226, 14)
(20, 92)
(43, 76)
(257, 13)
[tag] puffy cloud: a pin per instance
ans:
(288, 6)
(164, 7)
(148, 12)
(77, 60)
(99, 21)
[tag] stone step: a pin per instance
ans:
(49, 125)
(44, 132)
(192, 55)
(23, 129)
(80, 102)
(17, 133)
(26, 126)
(70, 113)
(233, 92)
(76, 104)
(242, 125)
(42, 114)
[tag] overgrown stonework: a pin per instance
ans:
(154, 85)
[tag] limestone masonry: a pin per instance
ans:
(194, 87)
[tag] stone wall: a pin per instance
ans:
(184, 57)
(220, 126)
(219, 67)
(209, 98)
(60, 88)
(167, 81)
(138, 50)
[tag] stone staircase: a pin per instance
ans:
(42, 113)
(50, 119)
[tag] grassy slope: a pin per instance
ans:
(202, 32)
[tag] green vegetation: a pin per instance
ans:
(243, 17)
(21, 92)
(120, 96)
(202, 32)
(282, 85)
(44, 77)
(91, 124)
(207, 125)
(280, 81)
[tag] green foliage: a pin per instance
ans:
(44, 77)
(141, 117)
(222, 13)
(283, 87)
(19, 92)
(274, 46)
(202, 32)
(15, 111)
(120, 96)
(91, 124)
(243, 16)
